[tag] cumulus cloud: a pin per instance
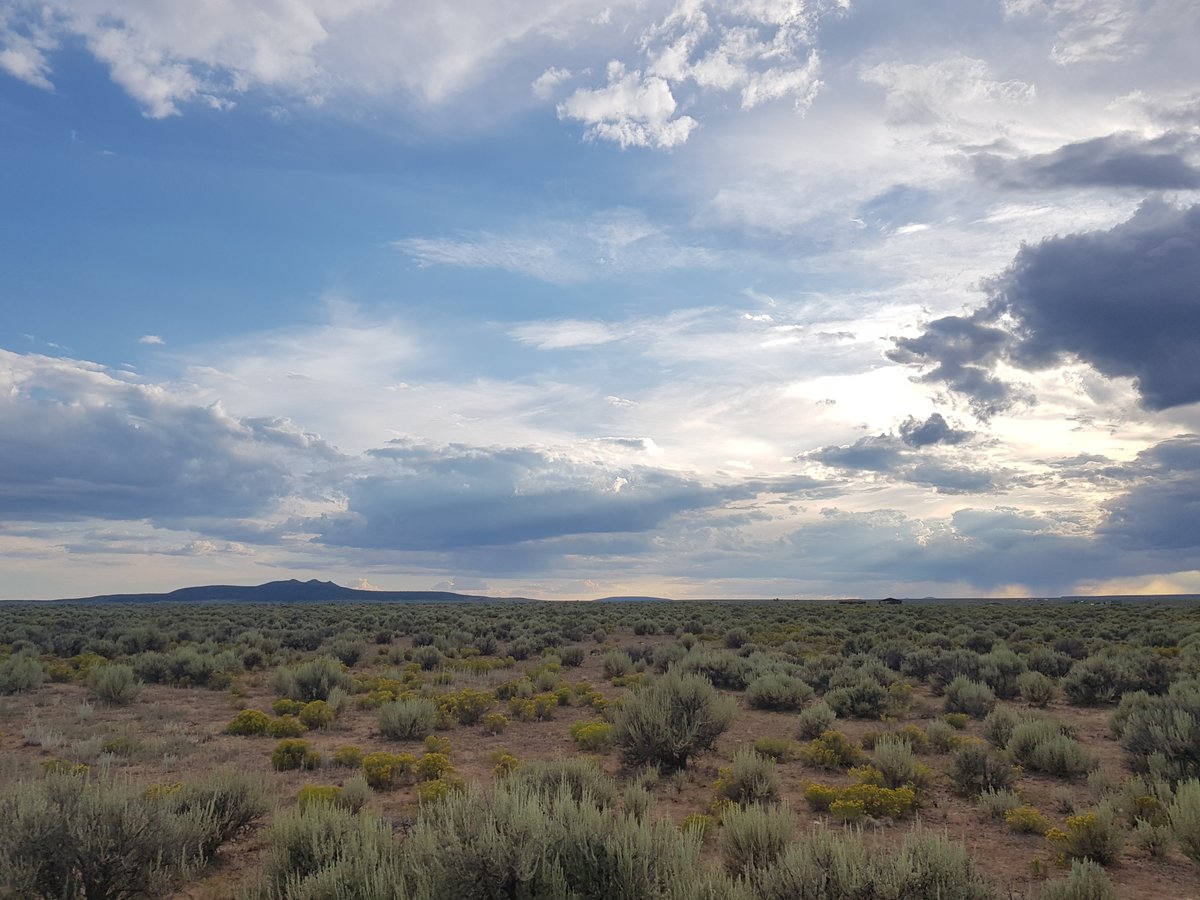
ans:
(902, 459)
(1123, 301)
(310, 50)
(208, 51)
(1118, 160)
(761, 50)
(545, 84)
(934, 430)
(150, 339)
(630, 110)
(961, 351)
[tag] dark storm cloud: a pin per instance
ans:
(896, 459)
(934, 430)
(1161, 511)
(439, 498)
(875, 453)
(78, 441)
(961, 350)
(1114, 161)
(1126, 301)
(983, 548)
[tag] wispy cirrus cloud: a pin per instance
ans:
(612, 244)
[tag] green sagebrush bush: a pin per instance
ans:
(1086, 881)
(1184, 817)
(313, 680)
(1001, 670)
(581, 779)
(995, 804)
(835, 866)
(1096, 835)
(292, 753)
(723, 668)
(114, 684)
(511, 842)
(778, 749)
(999, 724)
(617, 663)
(942, 736)
(408, 720)
(865, 699)
(749, 779)
(975, 768)
(1040, 746)
(571, 656)
(671, 719)
(832, 750)
(352, 796)
(74, 837)
(815, 720)
(755, 836)
(779, 692)
(1036, 689)
(896, 763)
(1161, 735)
(20, 672)
(963, 695)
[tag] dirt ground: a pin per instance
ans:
(178, 733)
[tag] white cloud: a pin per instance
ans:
(1099, 31)
(633, 111)
(546, 83)
(23, 53)
(924, 94)
(563, 334)
(612, 243)
(166, 56)
(150, 339)
(761, 49)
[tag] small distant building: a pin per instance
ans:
(891, 601)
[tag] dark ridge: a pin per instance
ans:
(290, 591)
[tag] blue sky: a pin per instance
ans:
(758, 298)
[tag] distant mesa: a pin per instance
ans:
(290, 591)
(633, 600)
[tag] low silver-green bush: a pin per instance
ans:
(408, 720)
(114, 684)
(670, 720)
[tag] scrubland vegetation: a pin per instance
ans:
(724, 750)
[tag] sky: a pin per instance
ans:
(757, 298)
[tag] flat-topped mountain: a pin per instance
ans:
(290, 591)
